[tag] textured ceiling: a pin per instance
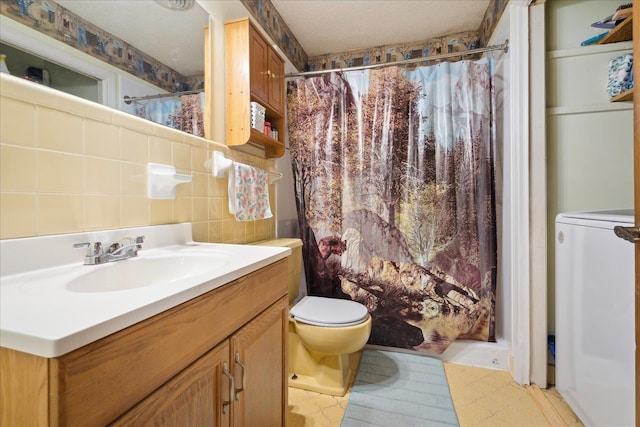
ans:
(326, 26)
(175, 38)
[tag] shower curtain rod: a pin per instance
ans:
(129, 99)
(504, 47)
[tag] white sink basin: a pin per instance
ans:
(141, 272)
(51, 304)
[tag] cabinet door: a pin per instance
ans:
(194, 397)
(259, 66)
(259, 352)
(276, 82)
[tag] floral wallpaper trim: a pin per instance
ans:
(270, 20)
(490, 19)
(397, 52)
(61, 24)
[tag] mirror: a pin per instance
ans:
(133, 35)
(42, 71)
(174, 37)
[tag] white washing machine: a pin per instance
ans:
(595, 338)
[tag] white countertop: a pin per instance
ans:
(42, 315)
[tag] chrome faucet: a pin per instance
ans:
(122, 249)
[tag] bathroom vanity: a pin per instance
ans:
(218, 358)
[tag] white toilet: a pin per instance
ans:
(325, 334)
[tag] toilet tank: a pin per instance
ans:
(295, 261)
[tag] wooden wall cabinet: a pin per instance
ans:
(254, 71)
(267, 70)
(184, 366)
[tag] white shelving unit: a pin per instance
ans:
(589, 139)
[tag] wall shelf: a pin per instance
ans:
(590, 108)
(273, 148)
(626, 96)
(622, 32)
(626, 46)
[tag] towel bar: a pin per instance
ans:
(220, 165)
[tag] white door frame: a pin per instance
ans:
(538, 196)
(519, 190)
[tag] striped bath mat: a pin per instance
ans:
(399, 389)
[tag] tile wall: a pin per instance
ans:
(70, 165)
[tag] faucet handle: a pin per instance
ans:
(129, 241)
(93, 248)
(138, 240)
(130, 244)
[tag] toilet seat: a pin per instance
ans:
(329, 312)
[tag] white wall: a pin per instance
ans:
(503, 200)
(287, 221)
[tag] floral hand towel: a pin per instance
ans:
(249, 193)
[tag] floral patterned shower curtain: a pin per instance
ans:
(394, 181)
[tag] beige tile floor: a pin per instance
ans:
(482, 397)
(486, 397)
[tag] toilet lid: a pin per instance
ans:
(331, 312)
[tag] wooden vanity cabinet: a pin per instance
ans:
(203, 394)
(254, 72)
(168, 369)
